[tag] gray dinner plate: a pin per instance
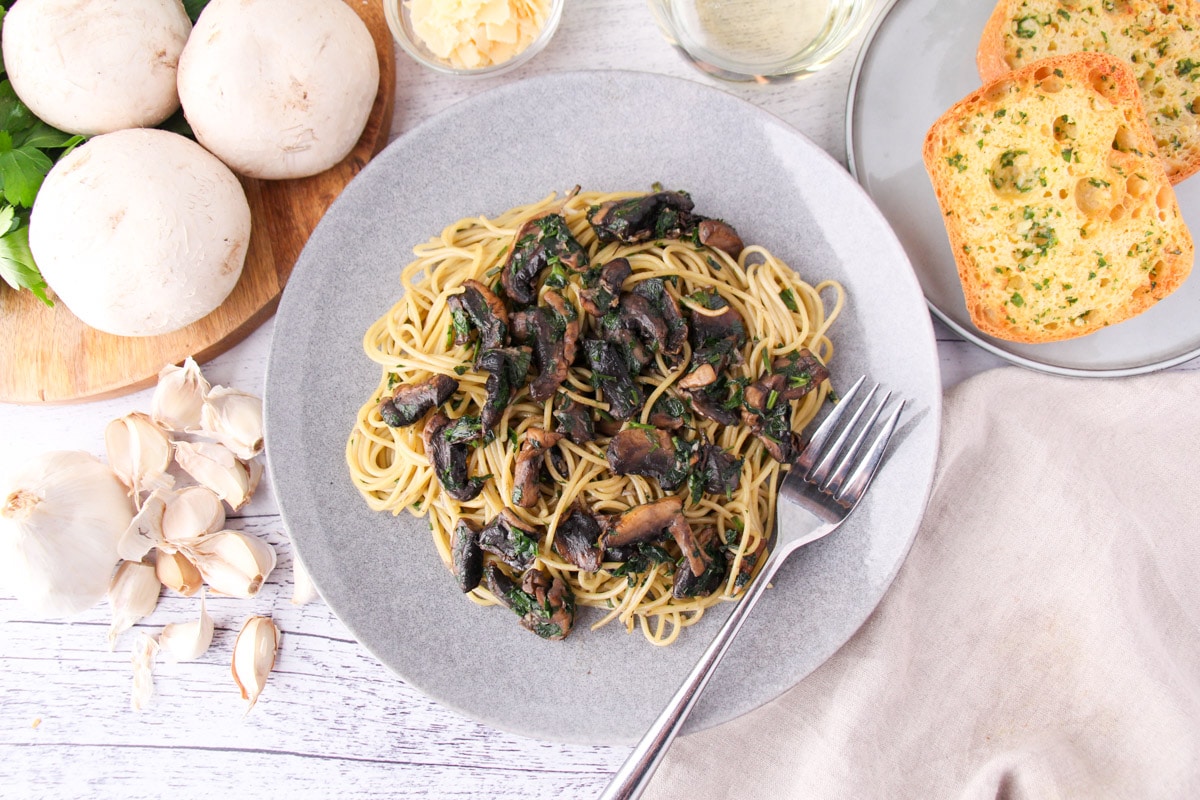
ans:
(604, 131)
(918, 61)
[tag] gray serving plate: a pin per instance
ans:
(606, 131)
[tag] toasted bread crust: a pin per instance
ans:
(1160, 39)
(1060, 216)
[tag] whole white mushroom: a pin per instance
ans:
(140, 232)
(97, 66)
(278, 88)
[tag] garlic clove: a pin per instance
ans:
(61, 516)
(215, 467)
(254, 657)
(144, 531)
(139, 452)
(233, 563)
(145, 649)
(179, 397)
(254, 470)
(235, 419)
(187, 641)
(133, 594)
(303, 589)
(176, 571)
(191, 513)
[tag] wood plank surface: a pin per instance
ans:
(50, 356)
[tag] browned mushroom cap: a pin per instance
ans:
(690, 584)
(642, 523)
(653, 453)
(601, 298)
(614, 377)
(573, 420)
(410, 401)
(638, 219)
(480, 308)
(648, 521)
(655, 292)
(466, 556)
(551, 331)
(720, 236)
(449, 460)
(551, 608)
(668, 412)
(721, 472)
(577, 539)
(507, 368)
(529, 464)
(792, 376)
(537, 243)
(773, 429)
(511, 539)
(640, 316)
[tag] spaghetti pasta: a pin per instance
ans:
(782, 314)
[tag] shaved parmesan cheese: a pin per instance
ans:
(470, 34)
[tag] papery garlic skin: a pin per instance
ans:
(235, 419)
(139, 451)
(145, 530)
(61, 516)
(233, 563)
(187, 641)
(192, 513)
(133, 594)
(145, 649)
(216, 467)
(254, 657)
(179, 397)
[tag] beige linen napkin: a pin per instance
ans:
(1042, 639)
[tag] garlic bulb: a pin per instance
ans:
(186, 641)
(133, 594)
(176, 571)
(192, 513)
(62, 515)
(233, 563)
(139, 452)
(179, 397)
(215, 466)
(235, 419)
(254, 657)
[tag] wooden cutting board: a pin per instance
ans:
(48, 356)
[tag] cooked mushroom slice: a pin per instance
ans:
(792, 376)
(688, 583)
(613, 328)
(548, 605)
(604, 288)
(716, 331)
(703, 375)
(577, 539)
(465, 429)
(466, 556)
(642, 523)
(449, 460)
(654, 290)
(720, 236)
(507, 367)
(499, 584)
(663, 215)
(573, 420)
(480, 308)
(647, 522)
(721, 472)
(541, 242)
(552, 331)
(718, 401)
(410, 401)
(640, 316)
(612, 375)
(668, 412)
(511, 539)
(653, 453)
(773, 427)
(529, 464)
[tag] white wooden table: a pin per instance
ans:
(332, 721)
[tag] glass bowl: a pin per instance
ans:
(396, 13)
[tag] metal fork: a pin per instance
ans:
(824, 485)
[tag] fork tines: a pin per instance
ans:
(837, 469)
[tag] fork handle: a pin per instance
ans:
(634, 775)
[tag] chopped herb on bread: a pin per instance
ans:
(1160, 39)
(1060, 216)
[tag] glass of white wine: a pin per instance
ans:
(761, 40)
